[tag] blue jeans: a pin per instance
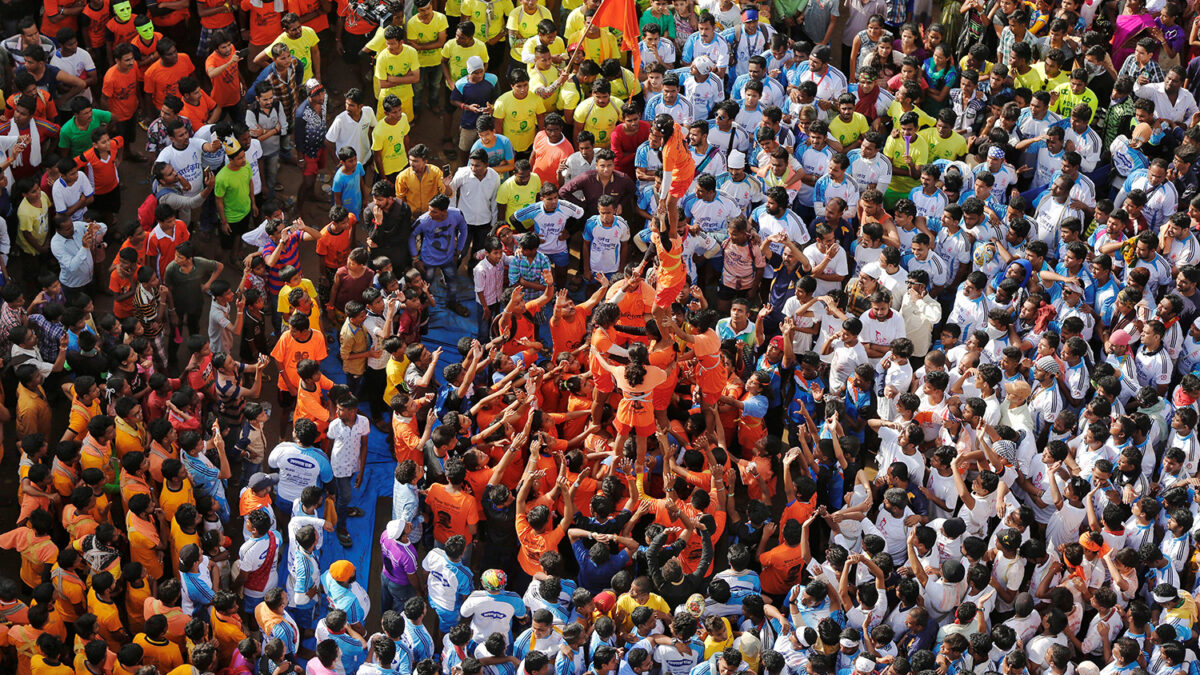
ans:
(447, 272)
(394, 595)
(270, 170)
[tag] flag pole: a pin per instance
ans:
(586, 29)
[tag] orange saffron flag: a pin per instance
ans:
(622, 16)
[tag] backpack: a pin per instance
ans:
(145, 211)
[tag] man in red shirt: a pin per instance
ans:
(629, 134)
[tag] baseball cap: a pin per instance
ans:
(342, 570)
(872, 270)
(704, 65)
(262, 481)
(605, 601)
(474, 63)
(822, 53)
(737, 160)
(749, 15)
(777, 342)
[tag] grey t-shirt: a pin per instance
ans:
(185, 286)
(817, 17)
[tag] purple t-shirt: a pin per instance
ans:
(399, 560)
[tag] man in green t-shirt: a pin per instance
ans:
(235, 199)
(75, 137)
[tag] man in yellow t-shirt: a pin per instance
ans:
(600, 113)
(848, 126)
(389, 139)
(489, 18)
(397, 69)
(547, 35)
(908, 152)
(518, 191)
(426, 32)
(300, 40)
(523, 23)
(944, 141)
(516, 112)
(543, 80)
(599, 44)
(456, 52)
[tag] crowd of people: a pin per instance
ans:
(802, 337)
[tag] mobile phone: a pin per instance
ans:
(446, 169)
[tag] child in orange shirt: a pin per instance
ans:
(334, 248)
(312, 402)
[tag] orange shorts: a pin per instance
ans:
(603, 382)
(644, 430)
(663, 297)
(662, 397)
(710, 398)
(680, 185)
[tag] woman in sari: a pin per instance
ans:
(1133, 24)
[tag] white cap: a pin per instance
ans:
(395, 528)
(872, 270)
(864, 665)
(737, 160)
(1087, 668)
(474, 63)
(704, 65)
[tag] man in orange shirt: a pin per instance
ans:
(534, 529)
(265, 25)
(101, 162)
(407, 443)
(222, 68)
(121, 95)
(108, 618)
(568, 324)
(299, 343)
(782, 565)
(163, 76)
(198, 107)
(454, 510)
(38, 553)
(679, 167)
(157, 650)
(215, 15)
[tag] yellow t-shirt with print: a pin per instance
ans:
(848, 132)
(515, 197)
(456, 56)
(598, 49)
(894, 150)
(543, 79)
(599, 120)
(388, 64)
(627, 86)
(419, 31)
(954, 147)
(301, 47)
(526, 27)
(489, 18)
(557, 48)
(388, 141)
(519, 117)
(894, 111)
(1051, 83)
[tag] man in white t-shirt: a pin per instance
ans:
(352, 128)
(880, 325)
